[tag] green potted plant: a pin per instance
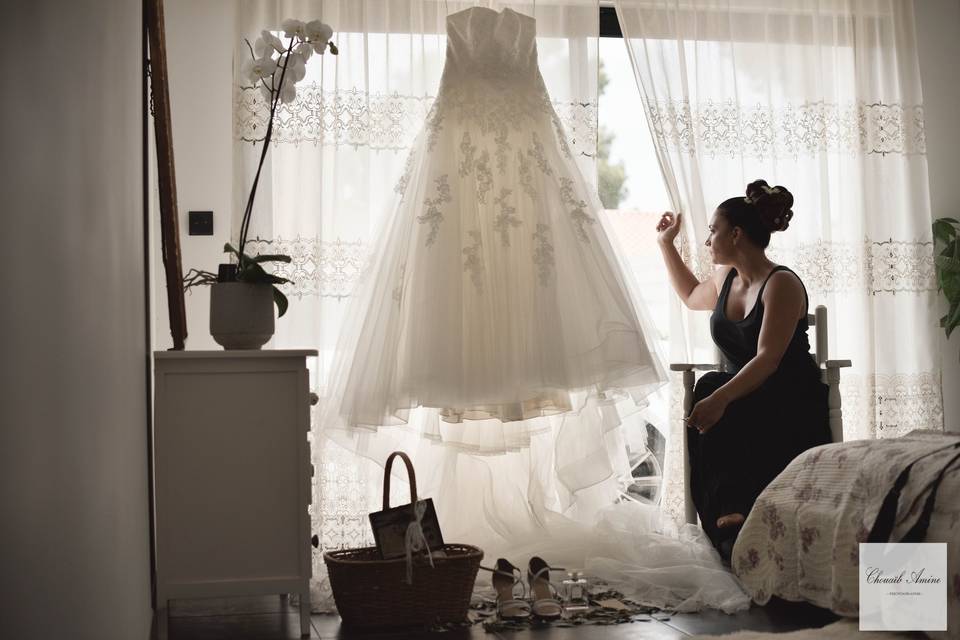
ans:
(243, 293)
(946, 234)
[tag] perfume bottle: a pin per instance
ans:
(575, 596)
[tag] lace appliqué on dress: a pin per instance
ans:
(401, 186)
(467, 151)
(434, 216)
(472, 261)
(507, 217)
(469, 163)
(502, 148)
(543, 253)
(526, 176)
(578, 212)
(536, 152)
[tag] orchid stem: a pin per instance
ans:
(248, 210)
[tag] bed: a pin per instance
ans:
(801, 540)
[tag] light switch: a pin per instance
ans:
(200, 223)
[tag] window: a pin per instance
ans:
(632, 190)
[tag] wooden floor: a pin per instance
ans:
(268, 618)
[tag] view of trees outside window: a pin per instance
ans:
(610, 176)
(629, 174)
(631, 189)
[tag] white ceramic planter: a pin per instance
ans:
(241, 314)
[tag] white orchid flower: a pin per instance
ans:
(273, 41)
(260, 48)
(296, 68)
(294, 28)
(318, 32)
(304, 50)
(260, 68)
(288, 92)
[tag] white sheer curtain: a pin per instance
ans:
(822, 96)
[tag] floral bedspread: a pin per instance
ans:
(801, 540)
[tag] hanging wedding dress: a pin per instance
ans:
(494, 319)
(495, 294)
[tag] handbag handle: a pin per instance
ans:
(386, 478)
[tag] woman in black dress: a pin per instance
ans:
(768, 405)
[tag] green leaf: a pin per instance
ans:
(229, 248)
(943, 230)
(246, 259)
(950, 285)
(266, 257)
(947, 264)
(252, 272)
(952, 318)
(281, 301)
(950, 220)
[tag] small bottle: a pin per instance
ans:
(575, 596)
(582, 592)
(568, 585)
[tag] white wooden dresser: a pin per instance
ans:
(232, 476)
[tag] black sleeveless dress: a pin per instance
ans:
(760, 433)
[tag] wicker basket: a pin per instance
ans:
(373, 593)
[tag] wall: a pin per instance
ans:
(200, 58)
(938, 43)
(74, 527)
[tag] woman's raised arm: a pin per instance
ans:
(696, 295)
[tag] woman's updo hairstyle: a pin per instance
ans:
(765, 209)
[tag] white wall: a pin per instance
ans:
(938, 38)
(74, 537)
(200, 58)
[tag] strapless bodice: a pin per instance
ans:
(487, 45)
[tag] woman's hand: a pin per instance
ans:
(707, 412)
(668, 227)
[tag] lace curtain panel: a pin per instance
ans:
(824, 98)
